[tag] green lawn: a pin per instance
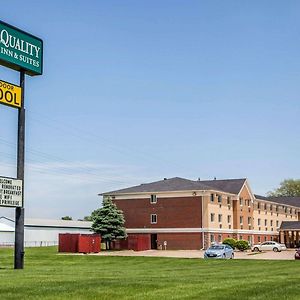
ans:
(51, 276)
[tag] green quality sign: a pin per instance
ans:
(20, 50)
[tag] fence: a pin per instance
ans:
(31, 244)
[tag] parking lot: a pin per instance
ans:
(284, 255)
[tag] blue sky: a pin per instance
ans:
(135, 91)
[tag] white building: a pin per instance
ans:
(40, 232)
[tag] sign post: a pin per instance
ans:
(19, 222)
(22, 52)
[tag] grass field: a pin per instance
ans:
(48, 275)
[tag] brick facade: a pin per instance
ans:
(176, 212)
(183, 241)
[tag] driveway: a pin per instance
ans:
(284, 255)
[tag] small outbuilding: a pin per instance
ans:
(41, 232)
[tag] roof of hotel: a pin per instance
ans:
(290, 225)
(287, 200)
(232, 186)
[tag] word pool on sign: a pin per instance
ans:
(10, 94)
(20, 50)
(11, 193)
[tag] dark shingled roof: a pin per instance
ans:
(166, 185)
(287, 200)
(289, 225)
(232, 186)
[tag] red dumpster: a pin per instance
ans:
(82, 243)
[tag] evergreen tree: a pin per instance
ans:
(109, 222)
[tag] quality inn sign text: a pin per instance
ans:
(20, 50)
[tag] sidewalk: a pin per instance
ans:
(284, 255)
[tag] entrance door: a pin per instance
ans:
(153, 241)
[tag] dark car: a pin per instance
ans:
(297, 254)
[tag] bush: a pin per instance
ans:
(242, 245)
(230, 242)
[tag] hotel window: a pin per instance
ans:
(212, 238)
(219, 198)
(266, 222)
(241, 237)
(265, 206)
(249, 203)
(153, 219)
(153, 199)
(277, 223)
(220, 218)
(249, 220)
(228, 200)
(271, 207)
(241, 201)
(271, 223)
(228, 219)
(265, 238)
(285, 209)
(241, 220)
(276, 208)
(258, 239)
(212, 217)
(212, 197)
(220, 238)
(258, 222)
(229, 226)
(220, 225)
(291, 210)
(258, 205)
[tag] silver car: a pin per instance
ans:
(219, 251)
(269, 246)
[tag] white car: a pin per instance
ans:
(269, 246)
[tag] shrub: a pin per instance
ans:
(230, 242)
(242, 245)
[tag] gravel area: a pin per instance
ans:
(284, 255)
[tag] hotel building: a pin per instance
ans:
(187, 214)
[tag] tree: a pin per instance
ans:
(109, 222)
(67, 218)
(86, 218)
(288, 187)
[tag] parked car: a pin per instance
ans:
(297, 254)
(219, 251)
(269, 246)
